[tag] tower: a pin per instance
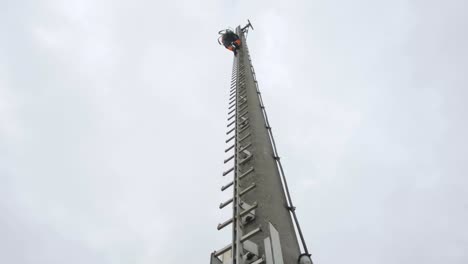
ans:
(264, 223)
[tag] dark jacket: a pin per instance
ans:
(229, 37)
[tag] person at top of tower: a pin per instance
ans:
(230, 40)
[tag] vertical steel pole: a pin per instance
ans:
(259, 184)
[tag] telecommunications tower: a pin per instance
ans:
(264, 223)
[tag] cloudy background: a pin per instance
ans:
(112, 120)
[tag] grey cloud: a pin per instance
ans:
(112, 121)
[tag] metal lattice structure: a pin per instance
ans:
(264, 222)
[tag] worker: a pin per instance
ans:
(230, 40)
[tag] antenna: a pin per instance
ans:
(245, 29)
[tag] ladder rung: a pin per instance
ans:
(244, 128)
(240, 178)
(232, 106)
(230, 124)
(243, 108)
(228, 159)
(228, 149)
(246, 136)
(245, 147)
(228, 171)
(226, 186)
(250, 234)
(230, 112)
(246, 190)
(231, 138)
(254, 206)
(231, 117)
(246, 173)
(243, 114)
(243, 102)
(225, 249)
(222, 205)
(229, 132)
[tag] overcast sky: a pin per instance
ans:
(113, 113)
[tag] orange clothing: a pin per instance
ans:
(237, 42)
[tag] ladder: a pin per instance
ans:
(239, 155)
